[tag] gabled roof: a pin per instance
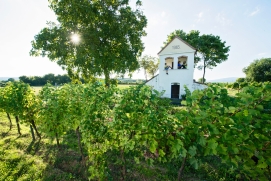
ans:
(180, 40)
(151, 78)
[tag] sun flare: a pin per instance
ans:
(75, 38)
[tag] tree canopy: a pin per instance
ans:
(93, 38)
(259, 70)
(42, 80)
(11, 79)
(211, 50)
(149, 65)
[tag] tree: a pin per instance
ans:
(25, 79)
(241, 79)
(200, 80)
(93, 38)
(153, 66)
(149, 65)
(11, 80)
(50, 78)
(210, 49)
(259, 70)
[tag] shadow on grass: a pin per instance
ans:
(16, 166)
(3, 135)
(65, 162)
(33, 147)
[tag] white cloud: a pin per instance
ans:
(200, 17)
(256, 11)
(222, 20)
(163, 14)
(262, 54)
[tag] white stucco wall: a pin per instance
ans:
(154, 82)
(176, 49)
(176, 46)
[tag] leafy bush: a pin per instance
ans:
(136, 125)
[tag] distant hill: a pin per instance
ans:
(224, 80)
(6, 78)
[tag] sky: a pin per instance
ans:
(245, 26)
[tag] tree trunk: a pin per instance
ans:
(79, 142)
(269, 171)
(57, 141)
(18, 125)
(35, 128)
(107, 78)
(145, 72)
(203, 81)
(10, 123)
(181, 169)
(123, 164)
(32, 133)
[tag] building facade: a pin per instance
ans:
(176, 69)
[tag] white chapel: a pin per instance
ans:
(178, 56)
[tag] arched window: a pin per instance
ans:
(182, 62)
(169, 61)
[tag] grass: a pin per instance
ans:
(124, 86)
(232, 92)
(36, 89)
(24, 159)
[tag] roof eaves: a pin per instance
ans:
(151, 78)
(180, 40)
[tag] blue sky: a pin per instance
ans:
(245, 25)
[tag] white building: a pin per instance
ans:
(176, 51)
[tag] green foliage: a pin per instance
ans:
(125, 122)
(2, 100)
(138, 126)
(243, 84)
(110, 37)
(2, 83)
(95, 125)
(42, 80)
(141, 121)
(234, 129)
(259, 70)
(235, 85)
(240, 80)
(201, 80)
(18, 99)
(149, 64)
(23, 159)
(53, 111)
(11, 80)
(12, 97)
